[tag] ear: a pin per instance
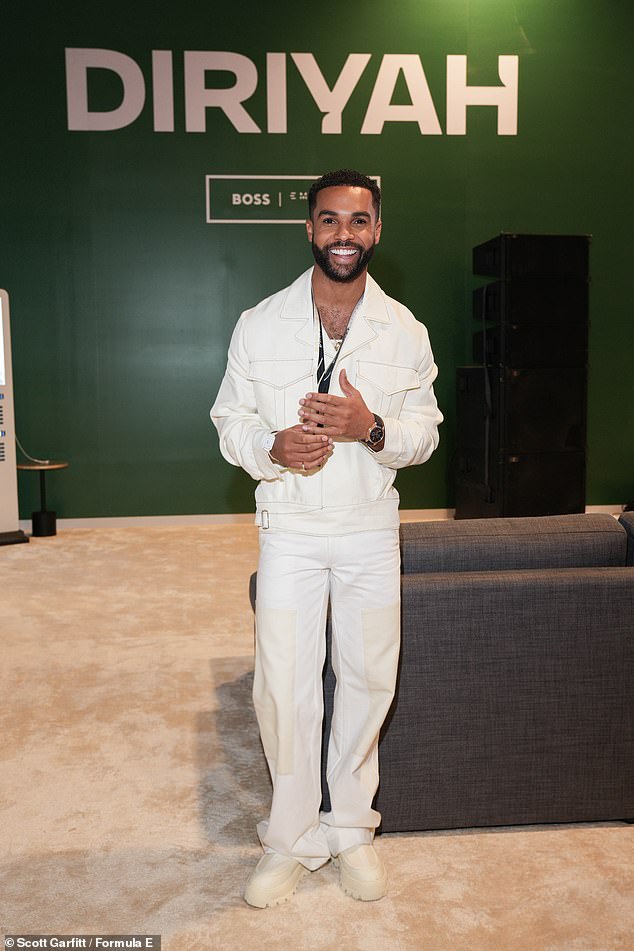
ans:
(309, 229)
(377, 231)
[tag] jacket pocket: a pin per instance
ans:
(384, 386)
(279, 385)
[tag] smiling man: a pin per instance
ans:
(327, 392)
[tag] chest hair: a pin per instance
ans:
(334, 320)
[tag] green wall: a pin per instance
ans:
(123, 297)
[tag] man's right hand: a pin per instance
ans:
(297, 449)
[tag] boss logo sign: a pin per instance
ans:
(258, 199)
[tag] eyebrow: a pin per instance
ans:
(335, 214)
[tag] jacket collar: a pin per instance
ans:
(298, 305)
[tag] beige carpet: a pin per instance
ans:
(132, 777)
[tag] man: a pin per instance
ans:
(328, 391)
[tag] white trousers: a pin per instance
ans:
(297, 575)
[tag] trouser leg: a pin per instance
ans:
(365, 607)
(292, 598)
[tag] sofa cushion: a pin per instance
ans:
(483, 544)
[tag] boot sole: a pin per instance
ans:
(361, 891)
(256, 900)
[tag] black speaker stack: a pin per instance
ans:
(521, 412)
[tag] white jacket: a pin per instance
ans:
(272, 364)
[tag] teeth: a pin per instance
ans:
(344, 251)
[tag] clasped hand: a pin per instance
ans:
(324, 418)
(341, 417)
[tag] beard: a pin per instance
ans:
(339, 272)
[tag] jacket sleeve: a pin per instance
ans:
(235, 415)
(412, 437)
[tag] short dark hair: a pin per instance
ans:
(344, 176)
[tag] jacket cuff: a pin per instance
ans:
(269, 469)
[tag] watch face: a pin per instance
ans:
(269, 442)
(377, 433)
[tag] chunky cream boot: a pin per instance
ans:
(362, 874)
(273, 880)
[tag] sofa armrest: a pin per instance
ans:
(627, 521)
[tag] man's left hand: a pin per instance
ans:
(342, 417)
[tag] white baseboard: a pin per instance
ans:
(614, 510)
(163, 521)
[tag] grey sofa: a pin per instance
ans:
(515, 701)
(515, 698)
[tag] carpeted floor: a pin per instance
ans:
(132, 777)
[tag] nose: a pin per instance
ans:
(343, 232)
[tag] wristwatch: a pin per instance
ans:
(268, 441)
(376, 432)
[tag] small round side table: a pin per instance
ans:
(44, 523)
